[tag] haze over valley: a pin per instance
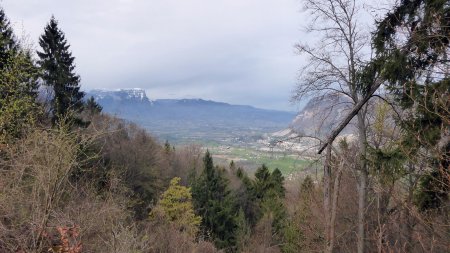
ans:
(192, 120)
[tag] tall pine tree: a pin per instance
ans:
(269, 191)
(18, 84)
(416, 66)
(58, 67)
(92, 107)
(213, 202)
(8, 43)
(10, 51)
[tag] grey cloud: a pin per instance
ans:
(229, 50)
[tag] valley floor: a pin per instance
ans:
(291, 164)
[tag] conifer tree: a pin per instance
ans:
(18, 84)
(243, 231)
(266, 182)
(277, 182)
(213, 202)
(8, 43)
(269, 193)
(167, 147)
(232, 167)
(417, 70)
(58, 68)
(10, 52)
(175, 207)
(92, 107)
(262, 182)
(18, 107)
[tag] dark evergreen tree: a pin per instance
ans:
(58, 68)
(307, 187)
(278, 183)
(266, 182)
(269, 192)
(18, 84)
(213, 202)
(262, 182)
(415, 66)
(11, 52)
(243, 231)
(246, 199)
(272, 205)
(167, 147)
(232, 167)
(92, 107)
(8, 42)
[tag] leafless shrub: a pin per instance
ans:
(165, 238)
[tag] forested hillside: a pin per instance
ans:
(75, 179)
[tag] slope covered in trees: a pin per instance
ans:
(74, 179)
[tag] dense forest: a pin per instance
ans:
(74, 179)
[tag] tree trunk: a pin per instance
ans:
(327, 196)
(362, 189)
(337, 183)
(406, 228)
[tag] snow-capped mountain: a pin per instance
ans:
(196, 119)
(135, 94)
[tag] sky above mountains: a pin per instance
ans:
(235, 51)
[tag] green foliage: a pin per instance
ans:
(92, 107)
(243, 231)
(434, 186)
(418, 16)
(18, 85)
(176, 207)
(262, 197)
(387, 163)
(278, 183)
(245, 198)
(306, 187)
(272, 206)
(263, 182)
(167, 147)
(431, 192)
(268, 183)
(268, 191)
(293, 237)
(213, 202)
(232, 166)
(8, 42)
(58, 67)
(415, 69)
(18, 107)
(411, 66)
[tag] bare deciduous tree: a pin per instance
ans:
(334, 62)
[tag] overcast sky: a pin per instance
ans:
(236, 51)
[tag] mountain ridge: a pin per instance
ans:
(193, 119)
(140, 95)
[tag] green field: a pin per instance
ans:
(250, 159)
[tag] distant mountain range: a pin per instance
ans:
(182, 120)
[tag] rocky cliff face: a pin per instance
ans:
(321, 115)
(315, 121)
(128, 95)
